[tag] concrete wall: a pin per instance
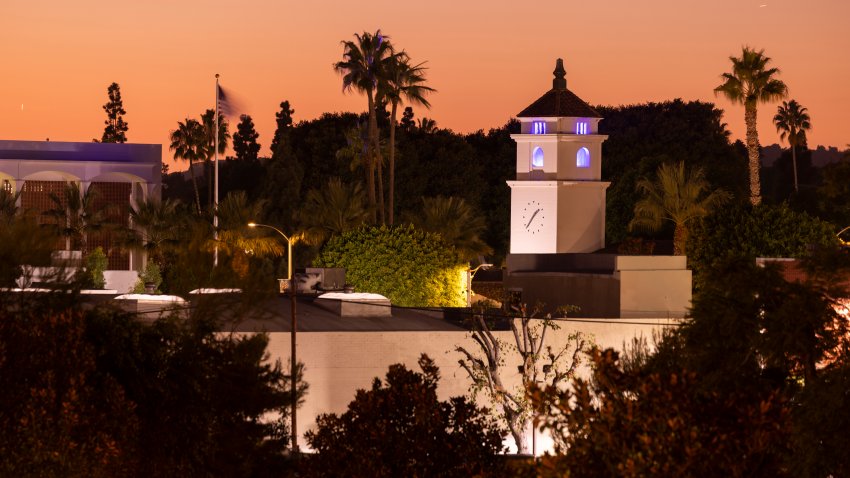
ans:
(337, 364)
(654, 286)
(596, 295)
(122, 281)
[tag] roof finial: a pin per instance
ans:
(560, 82)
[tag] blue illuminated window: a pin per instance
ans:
(538, 127)
(537, 158)
(581, 127)
(583, 158)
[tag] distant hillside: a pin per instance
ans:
(821, 156)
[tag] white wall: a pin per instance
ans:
(337, 364)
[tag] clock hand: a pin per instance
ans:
(532, 218)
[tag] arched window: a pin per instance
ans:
(537, 158)
(583, 158)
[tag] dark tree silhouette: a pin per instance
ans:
(116, 127)
(245, 140)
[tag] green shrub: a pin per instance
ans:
(410, 267)
(150, 274)
(748, 232)
(96, 263)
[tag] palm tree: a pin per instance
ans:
(457, 222)
(334, 209)
(236, 238)
(404, 82)
(750, 83)
(792, 120)
(8, 205)
(677, 196)
(78, 214)
(156, 226)
(189, 142)
(364, 68)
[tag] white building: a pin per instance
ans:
(119, 173)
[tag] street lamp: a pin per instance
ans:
(288, 248)
(292, 333)
(470, 273)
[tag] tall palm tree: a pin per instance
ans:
(457, 222)
(405, 82)
(363, 69)
(677, 196)
(334, 209)
(750, 83)
(189, 142)
(792, 121)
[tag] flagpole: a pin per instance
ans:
(215, 206)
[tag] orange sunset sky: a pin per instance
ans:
(487, 59)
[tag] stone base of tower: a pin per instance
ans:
(602, 285)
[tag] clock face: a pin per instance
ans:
(533, 217)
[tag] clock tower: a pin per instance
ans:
(558, 197)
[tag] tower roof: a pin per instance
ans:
(559, 101)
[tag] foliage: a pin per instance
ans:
(745, 387)
(60, 416)
(752, 82)
(643, 137)
(116, 127)
(539, 362)
(748, 232)
(410, 267)
(157, 225)
(335, 209)
(404, 81)
(22, 241)
(150, 275)
(792, 121)
(399, 428)
(676, 196)
(647, 423)
(364, 68)
(834, 193)
(245, 140)
(205, 412)
(456, 222)
(283, 121)
(188, 142)
(96, 263)
(97, 393)
(822, 426)
(77, 214)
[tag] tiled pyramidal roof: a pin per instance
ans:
(559, 101)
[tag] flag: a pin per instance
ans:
(226, 104)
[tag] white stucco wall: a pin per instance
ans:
(337, 364)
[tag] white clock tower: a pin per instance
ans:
(558, 198)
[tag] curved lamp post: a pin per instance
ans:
(288, 248)
(838, 235)
(470, 273)
(292, 334)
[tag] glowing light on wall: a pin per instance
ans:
(538, 127)
(583, 158)
(581, 127)
(537, 158)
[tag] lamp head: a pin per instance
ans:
(252, 224)
(486, 266)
